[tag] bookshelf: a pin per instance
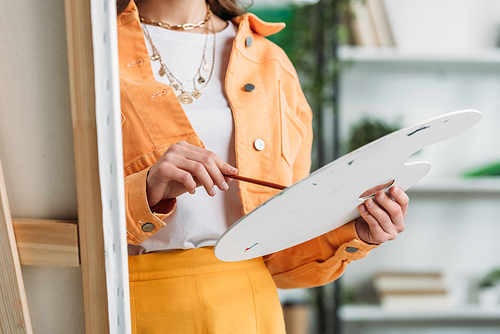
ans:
(481, 185)
(453, 221)
(372, 319)
(393, 55)
(355, 313)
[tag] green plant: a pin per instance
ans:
(347, 295)
(492, 278)
(367, 129)
(486, 170)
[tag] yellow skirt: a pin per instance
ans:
(191, 291)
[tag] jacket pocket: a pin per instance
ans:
(293, 129)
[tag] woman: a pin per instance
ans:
(205, 96)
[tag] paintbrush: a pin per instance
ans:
(255, 181)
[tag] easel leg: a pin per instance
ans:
(14, 315)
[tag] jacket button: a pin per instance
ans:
(249, 87)
(248, 41)
(259, 144)
(148, 227)
(351, 249)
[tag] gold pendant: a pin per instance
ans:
(185, 98)
(201, 80)
(175, 86)
(162, 71)
(155, 57)
(196, 94)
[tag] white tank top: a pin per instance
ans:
(198, 220)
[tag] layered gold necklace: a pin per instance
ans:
(184, 97)
(185, 26)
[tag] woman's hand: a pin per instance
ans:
(383, 218)
(182, 168)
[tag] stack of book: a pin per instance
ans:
(369, 24)
(413, 290)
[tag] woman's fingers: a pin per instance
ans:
(173, 173)
(400, 197)
(388, 212)
(379, 222)
(223, 166)
(165, 180)
(204, 174)
(384, 216)
(183, 167)
(206, 166)
(371, 231)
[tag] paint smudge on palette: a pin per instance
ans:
(417, 130)
(255, 244)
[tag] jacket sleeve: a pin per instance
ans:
(143, 221)
(318, 261)
(323, 259)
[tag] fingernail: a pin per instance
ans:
(369, 203)
(381, 196)
(224, 186)
(395, 190)
(362, 208)
(212, 191)
(233, 170)
(192, 192)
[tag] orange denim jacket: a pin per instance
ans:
(275, 111)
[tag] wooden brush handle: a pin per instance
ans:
(259, 182)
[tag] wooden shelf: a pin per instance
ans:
(395, 55)
(487, 185)
(355, 313)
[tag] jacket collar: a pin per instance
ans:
(257, 25)
(129, 14)
(253, 22)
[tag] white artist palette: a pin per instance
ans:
(329, 197)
